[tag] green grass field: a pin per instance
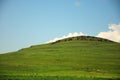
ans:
(65, 60)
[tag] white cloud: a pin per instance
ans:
(113, 33)
(77, 3)
(67, 36)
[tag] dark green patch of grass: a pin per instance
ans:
(53, 78)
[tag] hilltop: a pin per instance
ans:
(86, 57)
(85, 38)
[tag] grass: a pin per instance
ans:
(52, 78)
(66, 60)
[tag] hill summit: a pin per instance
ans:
(83, 38)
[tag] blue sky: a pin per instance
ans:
(30, 22)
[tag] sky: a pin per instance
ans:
(29, 22)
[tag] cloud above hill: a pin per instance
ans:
(67, 36)
(113, 33)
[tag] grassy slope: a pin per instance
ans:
(71, 58)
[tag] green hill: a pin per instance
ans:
(76, 58)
